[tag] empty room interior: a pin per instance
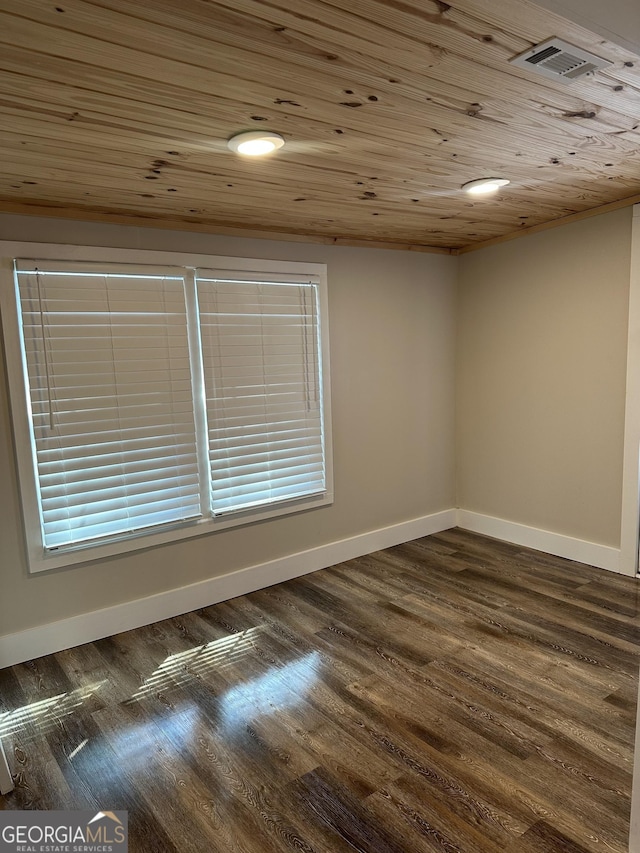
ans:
(320, 424)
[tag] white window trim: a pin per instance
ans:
(38, 559)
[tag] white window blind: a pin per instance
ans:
(262, 373)
(111, 397)
(163, 401)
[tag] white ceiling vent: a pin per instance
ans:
(559, 60)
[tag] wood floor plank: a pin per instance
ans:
(454, 694)
(434, 828)
(540, 710)
(341, 818)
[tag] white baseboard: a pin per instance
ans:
(55, 636)
(601, 556)
(87, 627)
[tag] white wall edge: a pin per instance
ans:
(580, 550)
(631, 477)
(631, 454)
(87, 627)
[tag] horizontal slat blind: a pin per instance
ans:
(261, 357)
(110, 389)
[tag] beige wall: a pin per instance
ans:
(392, 326)
(542, 338)
(542, 343)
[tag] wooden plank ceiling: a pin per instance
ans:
(121, 110)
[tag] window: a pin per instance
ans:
(164, 400)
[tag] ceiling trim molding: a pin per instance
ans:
(138, 221)
(546, 226)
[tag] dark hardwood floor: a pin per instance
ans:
(451, 694)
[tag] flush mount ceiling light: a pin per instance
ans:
(255, 143)
(484, 186)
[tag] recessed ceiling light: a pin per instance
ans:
(484, 186)
(255, 143)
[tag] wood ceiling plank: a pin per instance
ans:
(298, 125)
(480, 227)
(240, 30)
(355, 208)
(381, 23)
(612, 120)
(411, 42)
(429, 216)
(181, 174)
(388, 228)
(237, 52)
(223, 164)
(78, 92)
(96, 95)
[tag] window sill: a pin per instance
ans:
(70, 556)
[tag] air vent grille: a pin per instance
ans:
(541, 55)
(587, 68)
(559, 60)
